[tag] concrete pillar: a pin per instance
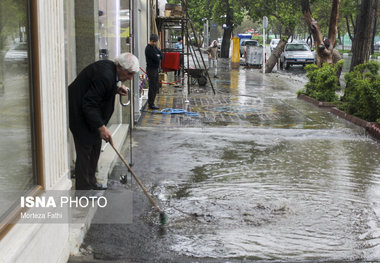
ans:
(86, 32)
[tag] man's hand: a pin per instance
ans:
(105, 134)
(122, 90)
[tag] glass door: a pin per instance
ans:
(16, 159)
(114, 39)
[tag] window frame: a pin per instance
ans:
(35, 116)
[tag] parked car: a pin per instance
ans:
(273, 44)
(219, 45)
(247, 42)
(296, 53)
(377, 46)
(18, 54)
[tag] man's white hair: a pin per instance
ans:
(128, 61)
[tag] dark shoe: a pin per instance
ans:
(98, 186)
(215, 76)
(153, 107)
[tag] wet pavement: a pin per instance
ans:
(258, 176)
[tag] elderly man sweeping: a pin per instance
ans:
(91, 104)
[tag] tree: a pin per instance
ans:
(281, 12)
(364, 33)
(228, 13)
(198, 11)
(349, 10)
(324, 54)
(246, 25)
(223, 12)
(12, 16)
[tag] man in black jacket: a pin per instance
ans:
(153, 57)
(91, 104)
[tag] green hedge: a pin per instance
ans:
(323, 82)
(362, 93)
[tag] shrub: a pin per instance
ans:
(323, 81)
(362, 93)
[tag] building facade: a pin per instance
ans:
(44, 44)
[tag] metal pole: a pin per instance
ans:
(206, 34)
(199, 50)
(264, 50)
(265, 25)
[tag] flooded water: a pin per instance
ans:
(305, 187)
(276, 194)
(281, 180)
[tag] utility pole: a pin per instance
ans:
(265, 25)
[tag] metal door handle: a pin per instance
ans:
(121, 99)
(119, 84)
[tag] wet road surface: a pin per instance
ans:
(258, 176)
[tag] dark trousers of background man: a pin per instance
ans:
(153, 84)
(86, 163)
(178, 72)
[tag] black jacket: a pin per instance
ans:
(92, 99)
(153, 56)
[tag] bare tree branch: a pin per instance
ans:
(333, 28)
(348, 28)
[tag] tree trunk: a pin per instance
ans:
(324, 55)
(225, 48)
(373, 36)
(353, 22)
(333, 26)
(361, 46)
(226, 42)
(275, 55)
(348, 28)
(339, 37)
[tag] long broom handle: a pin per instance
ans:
(138, 180)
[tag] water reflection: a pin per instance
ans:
(305, 187)
(285, 180)
(275, 195)
(16, 173)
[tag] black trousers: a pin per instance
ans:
(178, 72)
(86, 163)
(153, 84)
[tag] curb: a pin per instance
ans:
(373, 128)
(316, 102)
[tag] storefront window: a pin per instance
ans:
(16, 162)
(114, 38)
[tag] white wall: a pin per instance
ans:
(47, 242)
(53, 90)
(143, 18)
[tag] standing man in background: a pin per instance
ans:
(91, 104)
(178, 47)
(212, 52)
(153, 58)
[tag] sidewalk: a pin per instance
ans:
(238, 100)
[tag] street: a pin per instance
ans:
(259, 175)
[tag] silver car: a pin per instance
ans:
(18, 54)
(247, 42)
(296, 54)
